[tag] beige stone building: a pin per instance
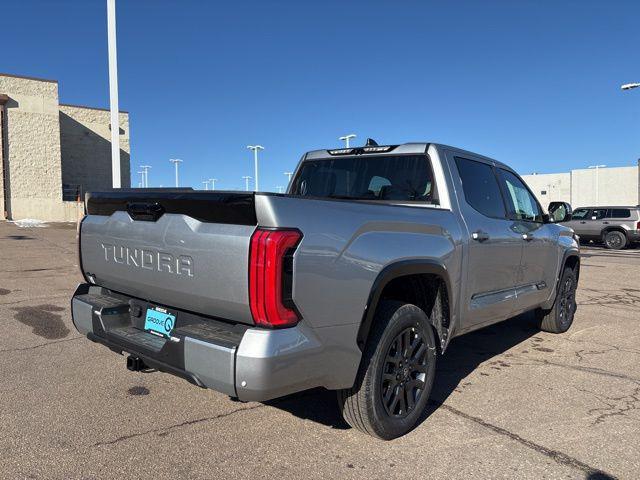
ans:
(52, 153)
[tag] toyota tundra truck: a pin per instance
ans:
(355, 280)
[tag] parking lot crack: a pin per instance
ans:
(613, 406)
(21, 349)
(165, 430)
(580, 368)
(555, 455)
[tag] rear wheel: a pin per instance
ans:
(560, 317)
(615, 240)
(396, 373)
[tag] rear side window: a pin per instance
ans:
(619, 213)
(598, 213)
(481, 190)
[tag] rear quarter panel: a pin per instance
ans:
(346, 245)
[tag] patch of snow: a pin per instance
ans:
(29, 223)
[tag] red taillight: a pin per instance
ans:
(638, 226)
(268, 280)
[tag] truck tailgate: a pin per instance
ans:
(187, 250)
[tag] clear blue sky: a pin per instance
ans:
(534, 84)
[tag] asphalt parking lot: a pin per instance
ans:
(509, 401)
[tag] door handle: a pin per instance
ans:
(480, 236)
(527, 236)
(583, 221)
(606, 223)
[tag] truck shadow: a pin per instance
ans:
(463, 356)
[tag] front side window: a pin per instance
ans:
(580, 214)
(481, 190)
(521, 203)
(365, 177)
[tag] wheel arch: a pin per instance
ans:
(408, 270)
(614, 228)
(571, 259)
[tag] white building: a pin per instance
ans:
(588, 186)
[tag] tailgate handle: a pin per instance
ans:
(145, 211)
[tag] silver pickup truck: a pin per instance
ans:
(354, 280)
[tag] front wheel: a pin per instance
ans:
(396, 373)
(560, 317)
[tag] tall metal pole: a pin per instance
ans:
(141, 183)
(145, 169)
(346, 139)
(213, 183)
(176, 162)
(113, 93)
(255, 167)
(246, 183)
(255, 149)
(289, 175)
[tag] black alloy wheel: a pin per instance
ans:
(567, 306)
(404, 372)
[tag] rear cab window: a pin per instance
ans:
(405, 178)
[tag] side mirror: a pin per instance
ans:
(560, 212)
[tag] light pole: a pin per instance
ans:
(289, 175)
(113, 93)
(246, 183)
(280, 189)
(141, 183)
(213, 183)
(255, 149)
(145, 180)
(206, 184)
(176, 162)
(597, 167)
(346, 139)
(629, 86)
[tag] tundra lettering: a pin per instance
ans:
(148, 259)
(355, 280)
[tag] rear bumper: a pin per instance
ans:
(633, 235)
(249, 363)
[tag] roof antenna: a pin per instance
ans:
(371, 143)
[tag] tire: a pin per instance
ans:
(560, 317)
(384, 370)
(615, 240)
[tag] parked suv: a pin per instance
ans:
(354, 280)
(616, 227)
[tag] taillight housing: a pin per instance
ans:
(638, 226)
(270, 277)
